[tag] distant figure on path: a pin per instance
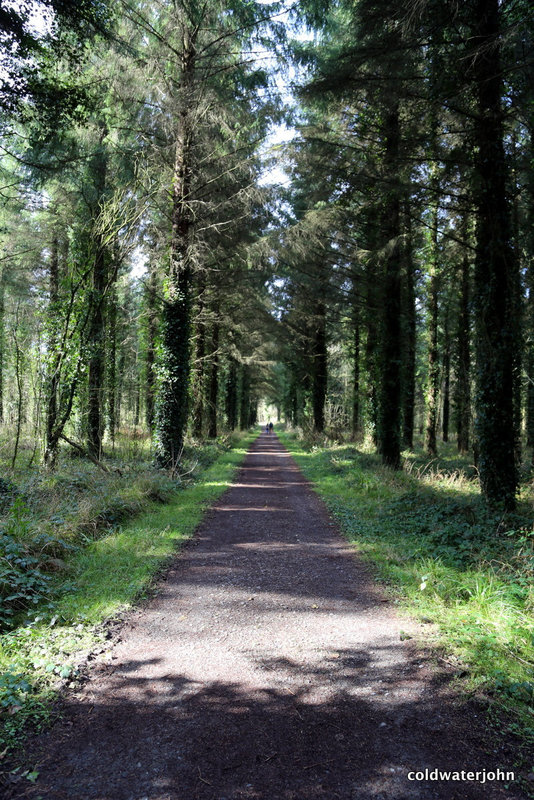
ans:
(271, 426)
(267, 428)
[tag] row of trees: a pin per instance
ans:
(155, 160)
(388, 288)
(411, 237)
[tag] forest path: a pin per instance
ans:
(267, 667)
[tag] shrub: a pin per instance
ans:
(22, 584)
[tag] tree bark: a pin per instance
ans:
(355, 365)
(496, 272)
(173, 400)
(231, 395)
(446, 383)
(244, 400)
(433, 311)
(409, 338)
(372, 336)
(111, 378)
(199, 371)
(2, 341)
(463, 369)
(150, 392)
(391, 356)
(214, 382)
(319, 364)
(97, 333)
(53, 359)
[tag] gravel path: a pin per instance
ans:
(267, 667)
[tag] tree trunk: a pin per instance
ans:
(111, 382)
(463, 370)
(409, 318)
(319, 365)
(355, 365)
(97, 359)
(529, 338)
(152, 322)
(496, 272)
(97, 332)
(173, 400)
(446, 383)
(214, 382)
(372, 339)
(53, 359)
(121, 366)
(231, 395)
(433, 310)
(137, 405)
(19, 380)
(2, 341)
(390, 366)
(200, 363)
(244, 400)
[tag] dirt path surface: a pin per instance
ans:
(267, 667)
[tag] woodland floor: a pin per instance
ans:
(267, 666)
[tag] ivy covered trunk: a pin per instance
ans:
(496, 272)
(175, 362)
(319, 365)
(97, 329)
(111, 378)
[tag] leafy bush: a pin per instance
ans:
(13, 690)
(22, 584)
(8, 492)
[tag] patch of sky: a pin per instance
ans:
(284, 77)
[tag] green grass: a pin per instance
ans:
(445, 558)
(100, 581)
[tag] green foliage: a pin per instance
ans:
(64, 512)
(22, 584)
(13, 690)
(8, 492)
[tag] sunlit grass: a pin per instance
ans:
(467, 573)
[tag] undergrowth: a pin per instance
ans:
(447, 559)
(70, 560)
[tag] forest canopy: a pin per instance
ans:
(154, 282)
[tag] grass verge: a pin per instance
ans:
(446, 559)
(102, 579)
